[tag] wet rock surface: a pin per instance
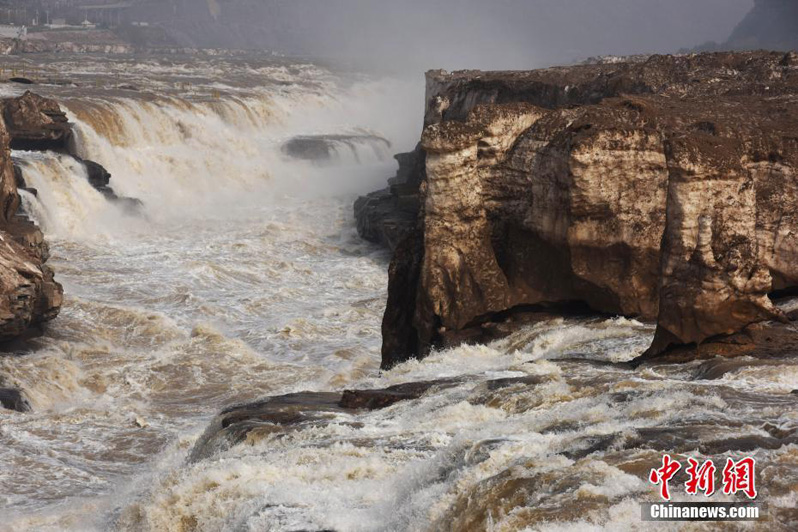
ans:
(387, 216)
(19, 178)
(12, 399)
(100, 179)
(36, 123)
(657, 189)
(29, 295)
(279, 415)
(327, 148)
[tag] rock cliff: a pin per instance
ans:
(660, 189)
(29, 296)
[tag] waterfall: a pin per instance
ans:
(65, 204)
(193, 158)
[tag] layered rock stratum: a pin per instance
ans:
(661, 189)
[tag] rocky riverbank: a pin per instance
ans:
(29, 294)
(657, 189)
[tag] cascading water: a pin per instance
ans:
(65, 203)
(243, 277)
(234, 281)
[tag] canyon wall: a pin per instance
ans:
(660, 189)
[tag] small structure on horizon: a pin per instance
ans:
(9, 31)
(108, 14)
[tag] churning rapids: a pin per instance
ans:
(243, 277)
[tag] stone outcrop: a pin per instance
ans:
(660, 189)
(274, 416)
(29, 296)
(36, 123)
(327, 148)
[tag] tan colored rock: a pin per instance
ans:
(29, 296)
(36, 123)
(660, 189)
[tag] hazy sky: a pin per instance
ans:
(475, 33)
(519, 33)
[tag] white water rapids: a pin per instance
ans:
(244, 277)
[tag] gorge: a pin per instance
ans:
(215, 364)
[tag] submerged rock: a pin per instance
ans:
(326, 148)
(12, 399)
(659, 189)
(277, 415)
(378, 399)
(256, 421)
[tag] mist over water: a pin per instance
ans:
(243, 277)
(234, 282)
(416, 35)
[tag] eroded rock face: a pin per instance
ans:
(386, 216)
(660, 189)
(29, 296)
(36, 123)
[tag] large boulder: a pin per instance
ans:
(36, 123)
(659, 189)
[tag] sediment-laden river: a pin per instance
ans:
(242, 276)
